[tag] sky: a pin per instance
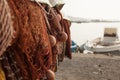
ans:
(100, 9)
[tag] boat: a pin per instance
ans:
(109, 42)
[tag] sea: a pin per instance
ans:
(83, 32)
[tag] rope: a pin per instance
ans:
(47, 12)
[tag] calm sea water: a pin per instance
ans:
(80, 33)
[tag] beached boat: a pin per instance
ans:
(109, 42)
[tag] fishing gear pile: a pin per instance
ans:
(33, 35)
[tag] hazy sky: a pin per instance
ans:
(105, 9)
(91, 9)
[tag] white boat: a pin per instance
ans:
(109, 42)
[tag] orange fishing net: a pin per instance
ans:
(31, 52)
(32, 47)
(67, 24)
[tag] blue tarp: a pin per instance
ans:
(73, 46)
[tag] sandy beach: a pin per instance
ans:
(99, 66)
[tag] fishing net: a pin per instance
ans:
(31, 54)
(67, 25)
(32, 50)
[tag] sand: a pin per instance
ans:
(100, 66)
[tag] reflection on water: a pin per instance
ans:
(80, 33)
